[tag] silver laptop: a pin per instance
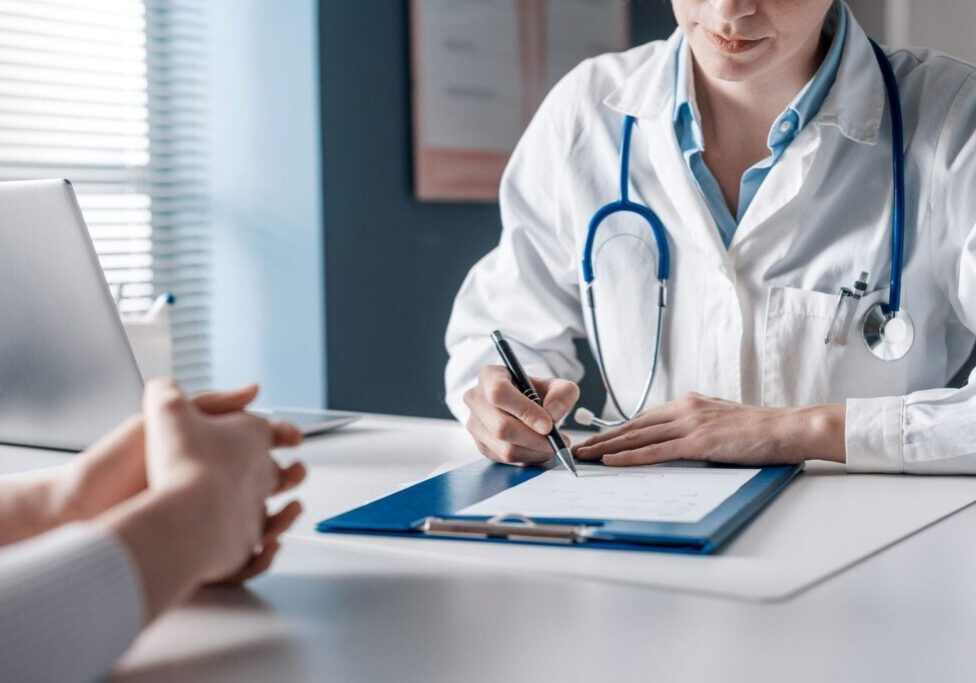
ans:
(67, 373)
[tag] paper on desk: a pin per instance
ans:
(647, 494)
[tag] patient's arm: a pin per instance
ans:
(199, 516)
(29, 505)
(107, 473)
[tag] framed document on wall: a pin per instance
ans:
(480, 68)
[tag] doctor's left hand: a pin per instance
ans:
(696, 427)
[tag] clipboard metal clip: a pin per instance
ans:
(510, 527)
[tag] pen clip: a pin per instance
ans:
(840, 322)
(842, 296)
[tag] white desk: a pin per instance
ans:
(333, 614)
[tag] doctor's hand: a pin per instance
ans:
(507, 426)
(696, 427)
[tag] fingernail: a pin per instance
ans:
(542, 426)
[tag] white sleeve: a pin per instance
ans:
(933, 431)
(71, 604)
(527, 286)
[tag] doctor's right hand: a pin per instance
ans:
(509, 427)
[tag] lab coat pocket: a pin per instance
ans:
(798, 368)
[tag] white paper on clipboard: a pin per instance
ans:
(641, 494)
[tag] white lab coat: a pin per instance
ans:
(747, 323)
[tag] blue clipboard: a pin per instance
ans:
(427, 510)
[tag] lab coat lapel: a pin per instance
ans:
(693, 222)
(648, 95)
(780, 187)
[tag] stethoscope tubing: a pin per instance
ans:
(898, 178)
(625, 205)
(646, 391)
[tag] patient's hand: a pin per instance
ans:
(109, 472)
(221, 465)
(202, 516)
(113, 469)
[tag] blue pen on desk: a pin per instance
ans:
(524, 385)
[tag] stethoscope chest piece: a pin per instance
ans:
(888, 336)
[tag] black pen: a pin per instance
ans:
(524, 385)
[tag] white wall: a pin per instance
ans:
(947, 25)
(267, 186)
(871, 15)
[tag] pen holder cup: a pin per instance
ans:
(152, 344)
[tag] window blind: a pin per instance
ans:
(111, 94)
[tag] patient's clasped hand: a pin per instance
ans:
(182, 488)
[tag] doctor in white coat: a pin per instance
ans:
(763, 141)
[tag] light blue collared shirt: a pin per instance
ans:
(785, 128)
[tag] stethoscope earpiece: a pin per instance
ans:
(587, 418)
(584, 417)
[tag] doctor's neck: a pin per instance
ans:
(761, 98)
(751, 57)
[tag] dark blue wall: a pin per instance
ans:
(392, 264)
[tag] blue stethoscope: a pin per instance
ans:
(888, 331)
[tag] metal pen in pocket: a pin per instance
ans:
(847, 298)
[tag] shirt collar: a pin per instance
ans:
(855, 103)
(686, 112)
(809, 100)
